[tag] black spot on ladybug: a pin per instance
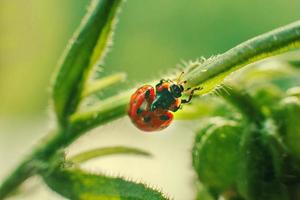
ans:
(147, 94)
(139, 111)
(164, 117)
(147, 119)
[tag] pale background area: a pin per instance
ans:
(169, 169)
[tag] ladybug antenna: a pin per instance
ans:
(179, 77)
(182, 83)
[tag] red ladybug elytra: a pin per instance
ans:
(151, 109)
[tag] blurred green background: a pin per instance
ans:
(152, 36)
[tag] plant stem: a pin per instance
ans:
(214, 70)
(52, 143)
(21, 173)
(29, 166)
(106, 111)
(105, 151)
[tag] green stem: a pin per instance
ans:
(106, 111)
(47, 147)
(213, 71)
(60, 139)
(21, 173)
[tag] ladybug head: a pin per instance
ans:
(176, 90)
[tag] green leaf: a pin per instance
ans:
(86, 48)
(105, 151)
(76, 184)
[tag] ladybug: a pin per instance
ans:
(151, 109)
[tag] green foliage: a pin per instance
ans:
(267, 98)
(294, 91)
(86, 48)
(289, 119)
(103, 112)
(76, 184)
(212, 72)
(260, 168)
(203, 193)
(266, 157)
(218, 146)
(205, 106)
(216, 155)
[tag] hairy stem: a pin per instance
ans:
(29, 166)
(18, 176)
(55, 141)
(212, 72)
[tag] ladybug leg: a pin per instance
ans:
(160, 83)
(176, 105)
(163, 81)
(191, 95)
(176, 108)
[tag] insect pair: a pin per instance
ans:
(151, 109)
